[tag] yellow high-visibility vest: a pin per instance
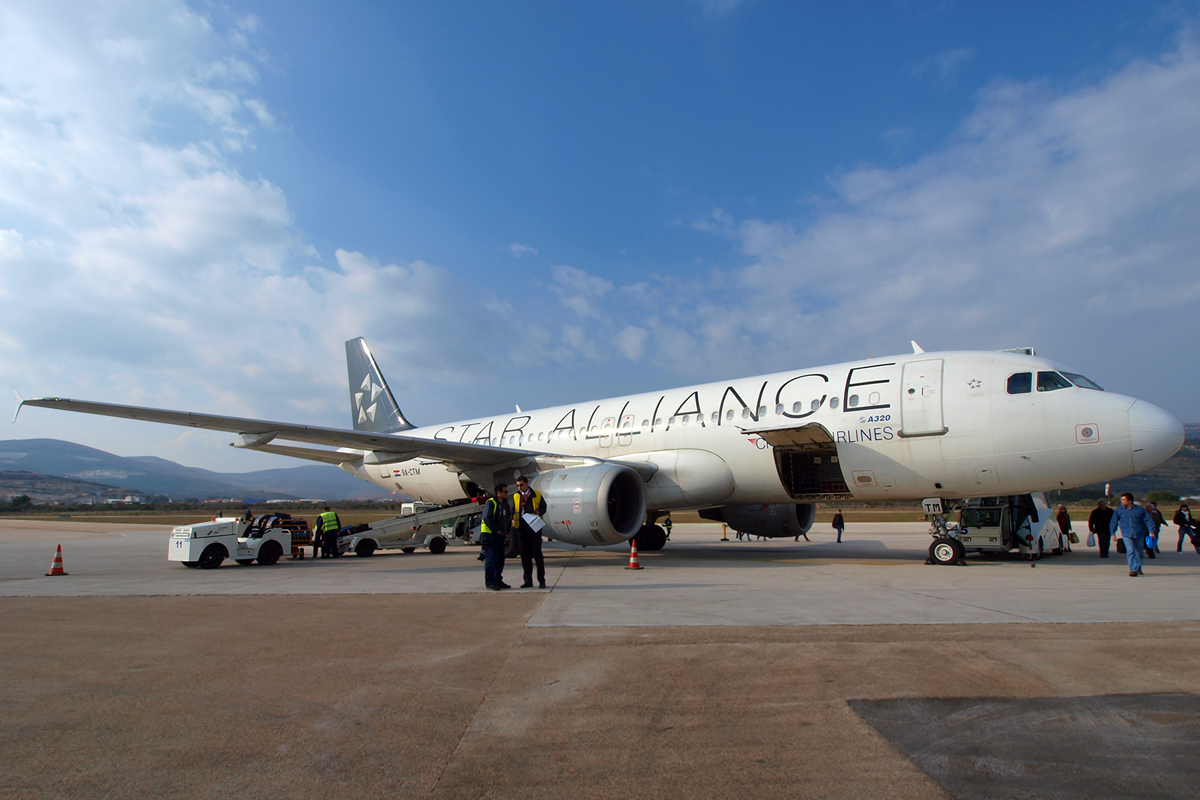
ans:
(483, 526)
(537, 501)
(329, 521)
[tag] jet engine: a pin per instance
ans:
(593, 505)
(773, 521)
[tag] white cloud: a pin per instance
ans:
(945, 65)
(518, 250)
(631, 341)
(720, 8)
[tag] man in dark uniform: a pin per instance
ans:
(529, 501)
(328, 525)
(497, 518)
(1098, 522)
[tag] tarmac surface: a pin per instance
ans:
(722, 669)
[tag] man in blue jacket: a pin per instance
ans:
(1135, 523)
(497, 517)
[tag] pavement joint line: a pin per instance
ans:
(854, 579)
(487, 693)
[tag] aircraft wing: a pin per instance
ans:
(257, 433)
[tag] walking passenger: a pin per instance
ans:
(1064, 527)
(1152, 541)
(839, 524)
(1098, 522)
(497, 519)
(529, 501)
(1134, 523)
(1187, 527)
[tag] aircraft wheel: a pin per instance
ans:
(651, 537)
(1038, 555)
(212, 557)
(946, 551)
(437, 545)
(512, 548)
(365, 549)
(245, 562)
(269, 554)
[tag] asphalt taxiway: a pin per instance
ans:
(722, 669)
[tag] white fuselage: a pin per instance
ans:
(906, 427)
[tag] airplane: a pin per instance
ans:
(756, 453)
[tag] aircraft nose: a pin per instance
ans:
(1154, 435)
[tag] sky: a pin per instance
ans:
(543, 202)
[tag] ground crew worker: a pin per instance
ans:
(497, 516)
(529, 501)
(667, 525)
(328, 526)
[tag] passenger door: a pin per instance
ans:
(921, 399)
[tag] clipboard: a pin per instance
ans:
(534, 522)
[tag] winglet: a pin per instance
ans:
(916, 347)
(20, 402)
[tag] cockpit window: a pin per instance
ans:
(1049, 381)
(1021, 383)
(1082, 382)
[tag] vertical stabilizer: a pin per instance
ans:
(372, 406)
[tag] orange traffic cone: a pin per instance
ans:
(633, 561)
(56, 567)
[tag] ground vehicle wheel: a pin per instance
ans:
(365, 548)
(946, 551)
(651, 537)
(408, 549)
(212, 557)
(269, 554)
(1038, 555)
(437, 545)
(512, 548)
(245, 562)
(190, 564)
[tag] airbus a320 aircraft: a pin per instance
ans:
(757, 453)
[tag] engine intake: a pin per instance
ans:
(773, 521)
(593, 505)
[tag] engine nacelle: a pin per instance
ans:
(773, 521)
(595, 505)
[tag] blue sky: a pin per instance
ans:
(199, 203)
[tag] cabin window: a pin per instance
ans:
(816, 404)
(779, 408)
(796, 407)
(1082, 382)
(853, 400)
(745, 413)
(658, 421)
(762, 411)
(729, 414)
(685, 419)
(539, 437)
(670, 420)
(833, 402)
(873, 399)
(1021, 383)
(645, 424)
(1050, 381)
(716, 416)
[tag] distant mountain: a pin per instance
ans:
(158, 476)
(52, 488)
